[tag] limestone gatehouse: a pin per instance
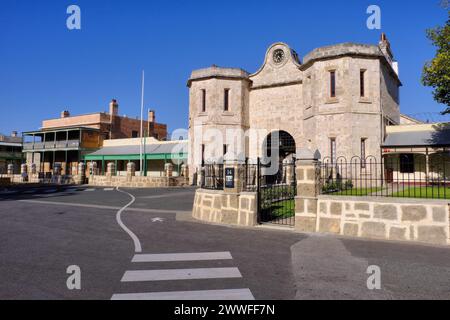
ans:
(338, 100)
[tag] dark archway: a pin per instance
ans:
(286, 144)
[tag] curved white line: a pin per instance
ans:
(137, 243)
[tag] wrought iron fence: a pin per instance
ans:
(400, 175)
(212, 177)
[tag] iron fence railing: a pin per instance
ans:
(212, 177)
(402, 175)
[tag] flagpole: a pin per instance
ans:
(142, 124)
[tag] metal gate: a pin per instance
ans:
(276, 192)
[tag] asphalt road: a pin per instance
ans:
(43, 230)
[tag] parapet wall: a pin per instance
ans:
(228, 208)
(131, 181)
(421, 220)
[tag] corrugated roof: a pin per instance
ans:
(149, 149)
(418, 138)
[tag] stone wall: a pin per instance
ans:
(5, 181)
(421, 220)
(131, 181)
(228, 208)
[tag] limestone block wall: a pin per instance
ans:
(421, 220)
(228, 208)
(132, 181)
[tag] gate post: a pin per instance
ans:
(308, 187)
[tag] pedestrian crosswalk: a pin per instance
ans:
(185, 274)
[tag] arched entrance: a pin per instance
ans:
(282, 141)
(277, 190)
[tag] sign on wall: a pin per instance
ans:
(229, 178)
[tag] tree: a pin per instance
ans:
(436, 73)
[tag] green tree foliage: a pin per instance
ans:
(436, 73)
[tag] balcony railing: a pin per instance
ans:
(52, 145)
(10, 155)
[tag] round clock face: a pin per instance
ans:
(278, 56)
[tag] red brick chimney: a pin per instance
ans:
(113, 107)
(151, 122)
(65, 114)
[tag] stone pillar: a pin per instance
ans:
(74, 169)
(168, 168)
(81, 172)
(10, 169)
(23, 169)
(57, 169)
(33, 169)
(288, 171)
(92, 168)
(238, 181)
(308, 188)
(185, 172)
(111, 169)
(63, 168)
(131, 169)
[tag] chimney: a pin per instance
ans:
(385, 47)
(113, 107)
(14, 134)
(151, 122)
(65, 114)
(151, 116)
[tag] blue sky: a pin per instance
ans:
(46, 68)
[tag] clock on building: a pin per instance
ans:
(278, 56)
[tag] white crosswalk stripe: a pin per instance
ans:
(181, 257)
(226, 294)
(160, 275)
(181, 274)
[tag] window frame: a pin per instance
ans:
(363, 153)
(332, 83)
(408, 167)
(203, 100)
(333, 148)
(226, 99)
(362, 83)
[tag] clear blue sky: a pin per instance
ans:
(46, 68)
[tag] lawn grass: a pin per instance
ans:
(356, 192)
(281, 209)
(432, 192)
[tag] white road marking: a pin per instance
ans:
(137, 243)
(180, 274)
(89, 189)
(166, 257)
(98, 206)
(157, 219)
(108, 189)
(227, 294)
(169, 195)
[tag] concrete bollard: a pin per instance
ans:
(168, 168)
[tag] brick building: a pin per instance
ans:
(67, 139)
(10, 152)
